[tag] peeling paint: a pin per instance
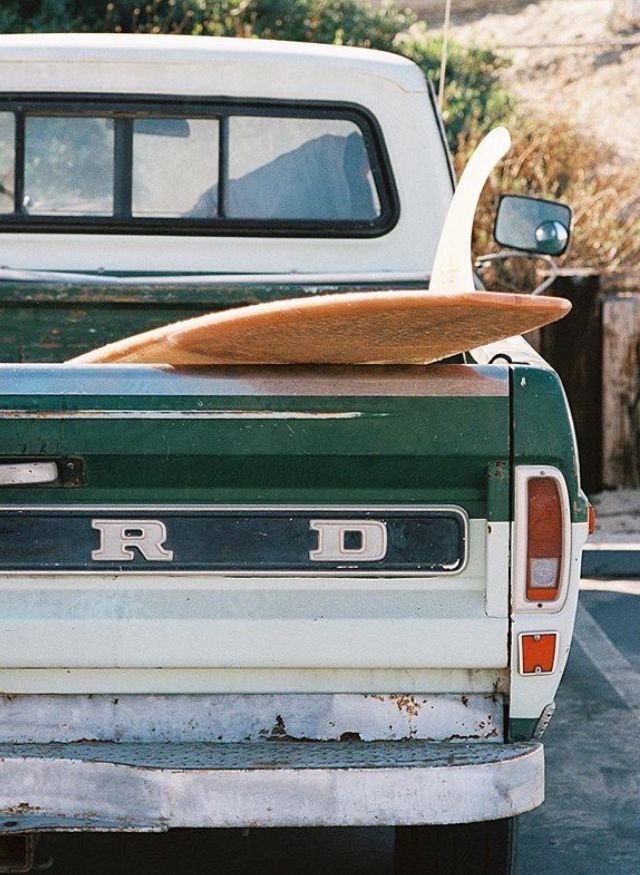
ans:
(21, 808)
(42, 719)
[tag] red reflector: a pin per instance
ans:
(592, 519)
(538, 652)
(544, 539)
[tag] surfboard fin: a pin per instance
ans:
(452, 266)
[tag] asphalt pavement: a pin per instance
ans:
(588, 825)
(590, 821)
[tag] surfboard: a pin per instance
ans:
(391, 327)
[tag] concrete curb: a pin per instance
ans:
(609, 561)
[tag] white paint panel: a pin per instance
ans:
(252, 680)
(392, 88)
(477, 642)
(125, 54)
(498, 559)
(531, 694)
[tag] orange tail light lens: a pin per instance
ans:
(538, 652)
(544, 539)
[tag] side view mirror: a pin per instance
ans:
(532, 225)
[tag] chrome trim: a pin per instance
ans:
(183, 414)
(321, 573)
(544, 721)
(24, 473)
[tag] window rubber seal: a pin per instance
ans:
(56, 103)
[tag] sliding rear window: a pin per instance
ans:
(203, 168)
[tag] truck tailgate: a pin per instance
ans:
(180, 511)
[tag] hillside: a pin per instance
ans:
(594, 84)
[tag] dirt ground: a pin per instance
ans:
(595, 83)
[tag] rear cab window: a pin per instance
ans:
(157, 166)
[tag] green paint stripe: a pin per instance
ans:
(543, 432)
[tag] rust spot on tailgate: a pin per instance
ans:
(409, 704)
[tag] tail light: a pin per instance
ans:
(542, 539)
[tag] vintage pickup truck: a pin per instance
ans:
(260, 596)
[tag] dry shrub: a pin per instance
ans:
(551, 159)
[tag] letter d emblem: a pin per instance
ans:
(332, 535)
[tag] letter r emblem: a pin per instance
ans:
(118, 537)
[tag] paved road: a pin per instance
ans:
(589, 825)
(590, 822)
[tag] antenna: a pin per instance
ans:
(445, 51)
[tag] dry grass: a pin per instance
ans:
(551, 159)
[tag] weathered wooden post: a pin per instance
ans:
(573, 347)
(621, 401)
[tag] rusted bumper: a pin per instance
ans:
(154, 787)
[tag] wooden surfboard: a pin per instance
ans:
(392, 327)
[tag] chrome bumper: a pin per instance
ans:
(157, 786)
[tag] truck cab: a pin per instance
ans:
(203, 568)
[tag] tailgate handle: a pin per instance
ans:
(42, 472)
(24, 473)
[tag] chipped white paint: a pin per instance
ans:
(250, 717)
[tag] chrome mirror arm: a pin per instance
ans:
(484, 261)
